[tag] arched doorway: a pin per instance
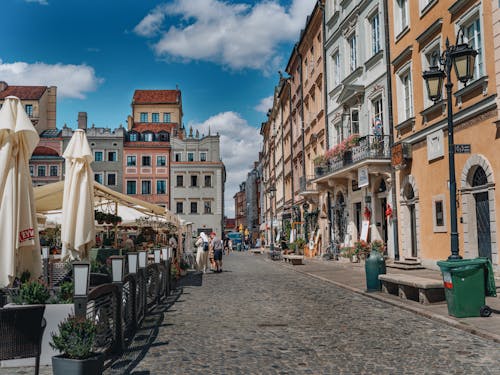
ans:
(381, 220)
(339, 218)
(483, 228)
(478, 209)
(410, 217)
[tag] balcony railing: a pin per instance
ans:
(368, 147)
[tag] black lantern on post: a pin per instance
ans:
(462, 57)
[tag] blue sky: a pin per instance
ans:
(223, 55)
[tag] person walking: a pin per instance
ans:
(202, 252)
(218, 249)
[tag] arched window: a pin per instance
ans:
(479, 177)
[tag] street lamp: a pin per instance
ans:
(462, 57)
(272, 190)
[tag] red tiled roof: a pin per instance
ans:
(24, 92)
(153, 127)
(156, 96)
(44, 151)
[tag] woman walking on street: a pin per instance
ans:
(218, 249)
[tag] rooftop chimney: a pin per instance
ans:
(3, 86)
(82, 120)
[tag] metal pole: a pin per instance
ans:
(271, 245)
(451, 160)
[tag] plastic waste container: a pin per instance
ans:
(466, 283)
(374, 266)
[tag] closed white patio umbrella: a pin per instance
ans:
(78, 228)
(19, 243)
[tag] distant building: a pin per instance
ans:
(107, 149)
(156, 117)
(240, 207)
(39, 103)
(198, 182)
(46, 163)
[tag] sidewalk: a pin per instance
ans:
(351, 276)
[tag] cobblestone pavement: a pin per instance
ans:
(258, 317)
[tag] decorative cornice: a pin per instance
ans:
(457, 6)
(430, 31)
(403, 56)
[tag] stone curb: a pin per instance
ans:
(408, 307)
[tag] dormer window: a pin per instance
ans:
(148, 137)
(132, 137)
(164, 137)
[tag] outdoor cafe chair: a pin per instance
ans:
(21, 332)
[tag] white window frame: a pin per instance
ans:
(375, 39)
(101, 177)
(473, 16)
(50, 170)
(400, 14)
(160, 180)
(141, 116)
(178, 154)
(126, 160)
(353, 52)
(126, 187)
(439, 228)
(337, 78)
(150, 161)
(38, 170)
(190, 155)
(374, 101)
(164, 158)
(113, 152)
(150, 187)
(102, 156)
(203, 156)
(111, 174)
(404, 113)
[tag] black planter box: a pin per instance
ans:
(66, 366)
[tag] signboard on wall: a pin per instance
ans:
(363, 179)
(365, 225)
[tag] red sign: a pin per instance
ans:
(26, 235)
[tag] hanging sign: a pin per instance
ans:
(363, 179)
(364, 230)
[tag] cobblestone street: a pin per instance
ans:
(259, 317)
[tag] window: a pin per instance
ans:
(401, 15)
(375, 28)
(144, 117)
(148, 137)
(208, 181)
(408, 101)
(194, 181)
(161, 187)
(132, 137)
(98, 155)
(111, 179)
(336, 69)
(98, 177)
(146, 161)
(146, 187)
(177, 156)
(161, 161)
(354, 126)
(131, 161)
(472, 36)
(180, 181)
(438, 212)
(190, 156)
(353, 62)
(378, 116)
(155, 117)
(203, 156)
(166, 117)
(164, 137)
(194, 207)
(53, 170)
(32, 169)
(179, 208)
(41, 171)
(112, 156)
(29, 110)
(207, 207)
(131, 187)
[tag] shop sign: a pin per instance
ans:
(363, 178)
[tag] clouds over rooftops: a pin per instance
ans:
(72, 81)
(240, 144)
(265, 104)
(231, 34)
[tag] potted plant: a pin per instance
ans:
(183, 267)
(32, 293)
(75, 341)
(378, 246)
(361, 249)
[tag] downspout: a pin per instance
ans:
(302, 117)
(325, 92)
(391, 131)
(291, 137)
(282, 153)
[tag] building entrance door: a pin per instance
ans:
(413, 229)
(483, 225)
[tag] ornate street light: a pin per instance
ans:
(462, 57)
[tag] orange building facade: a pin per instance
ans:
(418, 33)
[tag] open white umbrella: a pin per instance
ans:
(19, 244)
(78, 229)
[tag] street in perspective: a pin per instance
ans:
(249, 187)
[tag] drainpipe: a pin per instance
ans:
(391, 132)
(282, 152)
(291, 136)
(325, 92)
(302, 116)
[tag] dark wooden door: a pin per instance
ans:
(483, 225)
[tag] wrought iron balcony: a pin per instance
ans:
(368, 147)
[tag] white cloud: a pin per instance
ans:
(265, 104)
(41, 2)
(234, 35)
(240, 144)
(72, 81)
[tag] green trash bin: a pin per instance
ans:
(465, 285)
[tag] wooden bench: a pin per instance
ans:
(414, 288)
(294, 259)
